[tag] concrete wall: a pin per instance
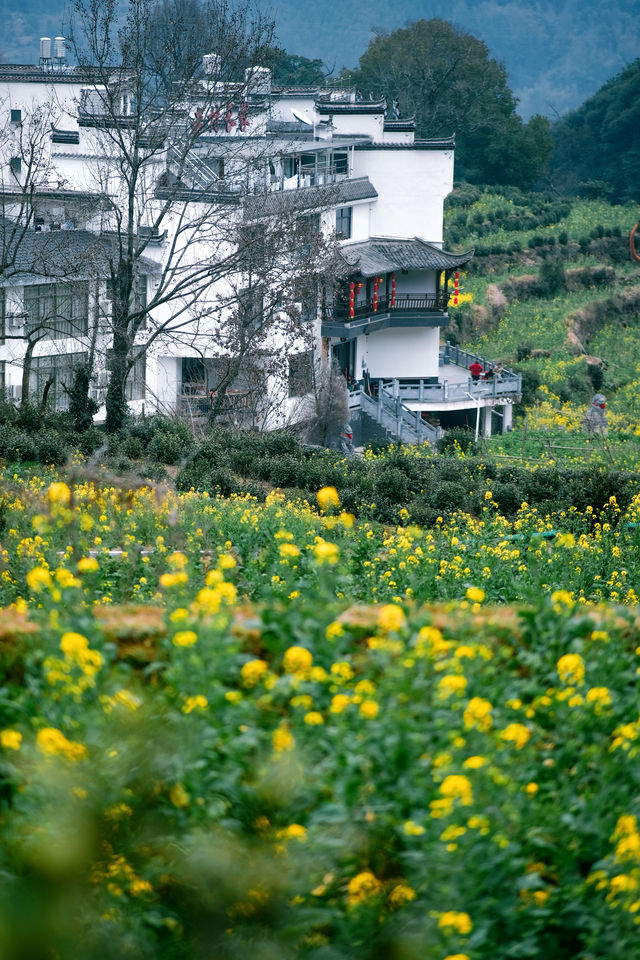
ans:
(412, 185)
(410, 352)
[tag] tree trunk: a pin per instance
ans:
(26, 372)
(116, 402)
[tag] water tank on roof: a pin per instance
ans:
(258, 80)
(59, 48)
(45, 48)
(211, 64)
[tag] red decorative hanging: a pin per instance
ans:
(213, 119)
(243, 116)
(198, 122)
(352, 300)
(376, 284)
(393, 289)
(230, 123)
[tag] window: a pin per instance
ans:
(340, 163)
(16, 116)
(343, 222)
(55, 311)
(300, 379)
(139, 297)
(15, 165)
(136, 381)
(135, 384)
(251, 308)
(60, 369)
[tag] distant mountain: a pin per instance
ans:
(556, 53)
(597, 147)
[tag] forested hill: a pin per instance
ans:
(597, 146)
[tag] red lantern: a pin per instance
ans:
(376, 284)
(393, 290)
(352, 300)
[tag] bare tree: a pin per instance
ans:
(25, 169)
(171, 192)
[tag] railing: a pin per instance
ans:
(402, 303)
(391, 413)
(422, 391)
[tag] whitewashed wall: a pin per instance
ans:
(411, 185)
(410, 352)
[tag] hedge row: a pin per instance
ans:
(427, 486)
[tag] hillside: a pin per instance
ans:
(552, 289)
(600, 141)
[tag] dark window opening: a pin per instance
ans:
(60, 369)
(300, 374)
(56, 311)
(343, 222)
(16, 116)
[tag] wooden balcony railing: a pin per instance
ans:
(404, 303)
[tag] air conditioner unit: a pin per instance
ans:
(16, 321)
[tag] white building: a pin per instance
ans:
(263, 155)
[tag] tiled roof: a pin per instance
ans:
(351, 106)
(384, 255)
(60, 255)
(439, 143)
(309, 198)
(30, 73)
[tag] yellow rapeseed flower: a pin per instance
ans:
(37, 578)
(455, 921)
(195, 703)
(457, 787)
(179, 796)
(88, 565)
(571, 668)
(252, 672)
(339, 703)
(184, 638)
(10, 739)
(477, 714)
(297, 660)
(599, 696)
(328, 498)
(517, 734)
(282, 740)
(313, 718)
(369, 709)
(402, 893)
(53, 743)
(391, 617)
(363, 886)
(413, 829)
(325, 552)
(73, 644)
(59, 493)
(475, 594)
(451, 683)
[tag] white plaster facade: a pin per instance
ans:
(363, 174)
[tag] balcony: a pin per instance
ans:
(406, 310)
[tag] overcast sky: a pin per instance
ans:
(557, 52)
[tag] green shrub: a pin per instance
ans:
(165, 447)
(456, 439)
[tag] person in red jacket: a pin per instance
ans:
(476, 370)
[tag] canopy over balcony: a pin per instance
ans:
(381, 255)
(391, 283)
